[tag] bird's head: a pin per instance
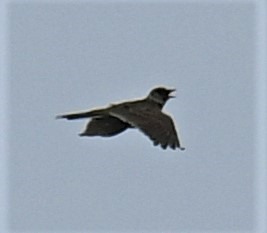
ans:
(160, 95)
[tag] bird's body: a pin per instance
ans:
(145, 114)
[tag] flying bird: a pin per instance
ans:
(144, 114)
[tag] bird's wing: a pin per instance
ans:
(105, 126)
(158, 126)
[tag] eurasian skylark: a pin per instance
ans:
(144, 114)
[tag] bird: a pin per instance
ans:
(144, 114)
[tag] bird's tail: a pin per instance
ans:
(79, 115)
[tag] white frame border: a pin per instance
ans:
(261, 106)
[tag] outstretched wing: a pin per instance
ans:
(158, 126)
(104, 126)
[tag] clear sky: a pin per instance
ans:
(67, 57)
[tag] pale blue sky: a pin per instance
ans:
(65, 57)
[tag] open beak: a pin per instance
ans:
(170, 93)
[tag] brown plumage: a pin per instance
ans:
(145, 114)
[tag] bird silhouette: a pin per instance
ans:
(144, 114)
